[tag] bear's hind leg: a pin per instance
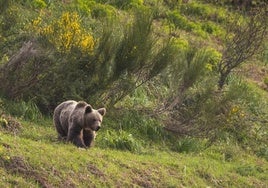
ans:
(61, 133)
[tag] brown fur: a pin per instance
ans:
(77, 122)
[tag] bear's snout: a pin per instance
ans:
(97, 128)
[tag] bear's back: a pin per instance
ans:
(63, 112)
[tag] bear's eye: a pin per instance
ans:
(97, 120)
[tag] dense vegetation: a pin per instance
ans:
(180, 80)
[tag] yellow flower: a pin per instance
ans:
(235, 109)
(208, 66)
(66, 33)
(37, 21)
(47, 30)
(6, 157)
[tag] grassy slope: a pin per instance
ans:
(34, 157)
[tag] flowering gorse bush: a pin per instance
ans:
(66, 33)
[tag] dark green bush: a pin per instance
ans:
(107, 73)
(26, 110)
(9, 20)
(227, 116)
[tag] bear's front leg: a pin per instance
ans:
(88, 137)
(75, 136)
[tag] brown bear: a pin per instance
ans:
(77, 122)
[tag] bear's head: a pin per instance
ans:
(93, 118)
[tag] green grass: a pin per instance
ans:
(34, 158)
(132, 149)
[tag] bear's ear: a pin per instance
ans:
(88, 109)
(102, 111)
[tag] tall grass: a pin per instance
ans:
(120, 140)
(21, 109)
(132, 131)
(188, 145)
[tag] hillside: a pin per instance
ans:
(184, 84)
(33, 157)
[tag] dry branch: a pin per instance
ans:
(246, 42)
(10, 71)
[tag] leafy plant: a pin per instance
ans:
(185, 72)
(9, 19)
(39, 4)
(263, 152)
(120, 140)
(26, 110)
(180, 21)
(188, 145)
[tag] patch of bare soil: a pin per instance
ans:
(9, 124)
(257, 74)
(145, 178)
(95, 171)
(18, 165)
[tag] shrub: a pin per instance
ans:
(83, 6)
(80, 67)
(188, 69)
(102, 11)
(205, 11)
(237, 115)
(179, 21)
(213, 59)
(182, 22)
(39, 4)
(198, 108)
(9, 20)
(66, 33)
(243, 40)
(213, 29)
(135, 58)
(196, 9)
